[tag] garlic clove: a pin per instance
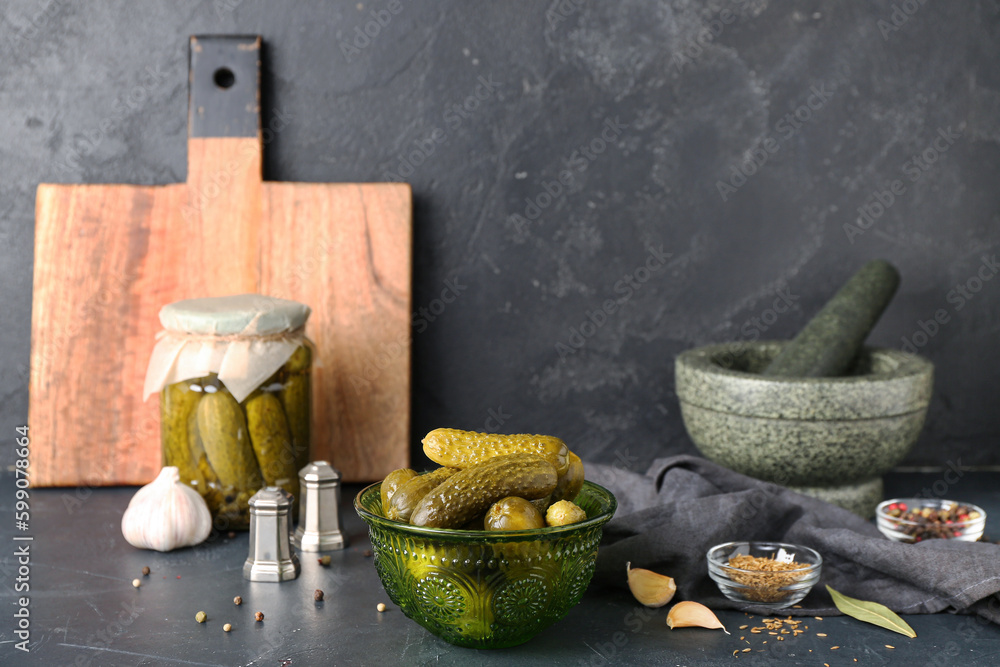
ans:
(166, 514)
(650, 588)
(689, 614)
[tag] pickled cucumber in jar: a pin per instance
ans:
(240, 418)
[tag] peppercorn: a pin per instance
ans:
(259, 616)
(381, 606)
(318, 595)
(200, 616)
(227, 627)
(237, 600)
(928, 523)
(145, 571)
(136, 583)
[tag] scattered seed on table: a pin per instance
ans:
(887, 646)
(736, 651)
(368, 553)
(318, 595)
(381, 606)
(818, 618)
(324, 560)
(227, 627)
(744, 627)
(136, 583)
(747, 650)
(200, 616)
(145, 570)
(259, 616)
(821, 634)
(237, 600)
(834, 648)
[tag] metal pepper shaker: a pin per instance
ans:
(271, 557)
(319, 509)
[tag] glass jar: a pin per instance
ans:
(235, 398)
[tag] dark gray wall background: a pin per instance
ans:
(77, 104)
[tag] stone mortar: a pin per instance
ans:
(829, 437)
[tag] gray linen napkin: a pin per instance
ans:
(670, 517)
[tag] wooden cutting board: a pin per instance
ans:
(108, 257)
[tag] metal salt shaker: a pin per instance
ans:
(271, 558)
(319, 509)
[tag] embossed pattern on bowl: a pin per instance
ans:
(486, 589)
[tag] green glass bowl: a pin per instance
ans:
(485, 589)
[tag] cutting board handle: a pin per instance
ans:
(225, 161)
(224, 86)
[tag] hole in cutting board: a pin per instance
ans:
(224, 77)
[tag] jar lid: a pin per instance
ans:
(233, 315)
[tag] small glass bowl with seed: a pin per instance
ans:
(764, 574)
(918, 519)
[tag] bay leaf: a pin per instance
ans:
(871, 612)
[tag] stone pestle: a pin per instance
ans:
(828, 345)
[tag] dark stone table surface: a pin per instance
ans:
(84, 610)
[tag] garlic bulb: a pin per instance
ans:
(166, 514)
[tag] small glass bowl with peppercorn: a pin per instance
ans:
(764, 574)
(919, 519)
